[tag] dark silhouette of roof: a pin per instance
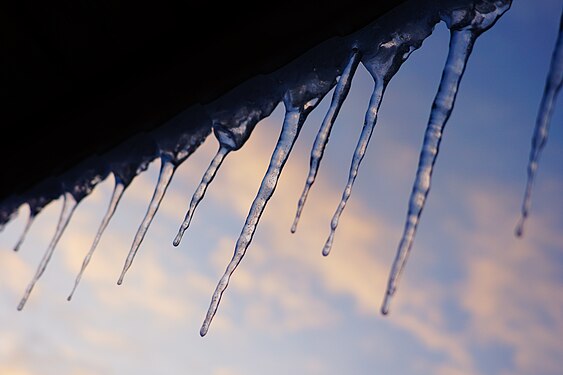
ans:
(81, 76)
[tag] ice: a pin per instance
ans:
(167, 169)
(118, 191)
(295, 116)
(338, 98)
(69, 205)
(465, 28)
(383, 64)
(382, 47)
(175, 146)
(200, 191)
(361, 147)
(30, 220)
(233, 118)
(539, 139)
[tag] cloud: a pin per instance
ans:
(512, 286)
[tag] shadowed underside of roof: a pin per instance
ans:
(79, 77)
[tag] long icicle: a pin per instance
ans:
(30, 220)
(552, 87)
(118, 190)
(461, 44)
(69, 205)
(201, 189)
(359, 152)
(291, 127)
(167, 169)
(338, 98)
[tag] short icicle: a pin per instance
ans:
(201, 189)
(69, 205)
(359, 152)
(294, 119)
(30, 220)
(167, 169)
(118, 191)
(461, 44)
(340, 93)
(552, 87)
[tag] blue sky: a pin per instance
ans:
(473, 300)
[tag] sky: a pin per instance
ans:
(474, 299)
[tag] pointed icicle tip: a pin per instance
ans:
(203, 330)
(328, 244)
(385, 307)
(30, 220)
(519, 230)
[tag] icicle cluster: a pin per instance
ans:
(381, 47)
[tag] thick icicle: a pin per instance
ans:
(200, 191)
(30, 220)
(552, 87)
(167, 169)
(69, 205)
(464, 32)
(338, 98)
(118, 191)
(293, 121)
(461, 43)
(367, 130)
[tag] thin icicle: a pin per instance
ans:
(167, 169)
(69, 205)
(461, 44)
(200, 191)
(338, 98)
(292, 124)
(30, 220)
(367, 130)
(552, 87)
(118, 190)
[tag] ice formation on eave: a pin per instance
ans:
(381, 47)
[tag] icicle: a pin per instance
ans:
(338, 98)
(552, 87)
(200, 191)
(465, 28)
(69, 205)
(367, 130)
(118, 190)
(167, 169)
(30, 220)
(293, 121)
(461, 44)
